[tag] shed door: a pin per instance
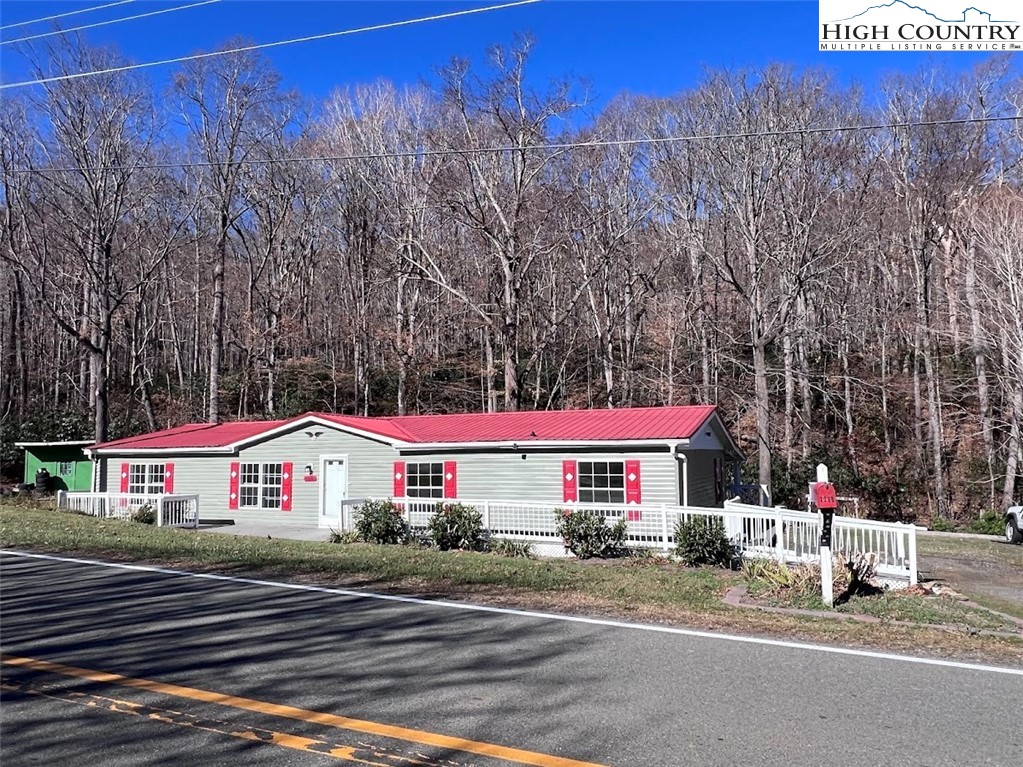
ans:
(334, 489)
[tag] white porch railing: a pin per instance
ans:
(894, 543)
(754, 529)
(172, 510)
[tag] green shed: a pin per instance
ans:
(69, 467)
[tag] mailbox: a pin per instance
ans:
(824, 496)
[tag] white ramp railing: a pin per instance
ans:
(758, 531)
(171, 510)
(177, 511)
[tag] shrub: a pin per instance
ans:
(343, 536)
(942, 524)
(587, 534)
(801, 584)
(456, 526)
(988, 523)
(515, 549)
(854, 575)
(144, 514)
(380, 522)
(702, 541)
(798, 584)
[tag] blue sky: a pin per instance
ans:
(654, 48)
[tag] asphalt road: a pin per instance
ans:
(330, 678)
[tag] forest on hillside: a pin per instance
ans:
(841, 271)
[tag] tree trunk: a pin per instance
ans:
(763, 413)
(217, 320)
(1014, 444)
(980, 367)
(790, 398)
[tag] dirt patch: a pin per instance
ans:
(988, 573)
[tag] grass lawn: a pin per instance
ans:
(991, 550)
(927, 609)
(650, 590)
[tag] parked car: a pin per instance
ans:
(1014, 524)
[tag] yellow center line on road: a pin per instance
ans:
(421, 737)
(219, 727)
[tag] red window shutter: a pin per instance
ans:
(632, 483)
(399, 479)
(569, 481)
(168, 478)
(125, 468)
(450, 479)
(232, 487)
(286, 471)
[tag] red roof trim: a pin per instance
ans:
(621, 425)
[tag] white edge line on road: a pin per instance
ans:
(524, 613)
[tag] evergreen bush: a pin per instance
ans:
(702, 541)
(587, 534)
(380, 522)
(457, 526)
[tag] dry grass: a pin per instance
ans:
(645, 589)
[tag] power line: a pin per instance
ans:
(552, 147)
(105, 23)
(69, 13)
(259, 46)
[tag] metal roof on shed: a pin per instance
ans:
(624, 424)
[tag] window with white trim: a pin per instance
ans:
(145, 478)
(601, 481)
(65, 468)
(259, 486)
(424, 480)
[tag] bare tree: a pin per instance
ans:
(75, 209)
(230, 105)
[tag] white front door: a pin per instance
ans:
(333, 489)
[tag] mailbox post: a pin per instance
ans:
(825, 499)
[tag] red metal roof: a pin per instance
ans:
(575, 425)
(194, 435)
(643, 423)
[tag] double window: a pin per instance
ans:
(601, 481)
(424, 480)
(145, 478)
(259, 485)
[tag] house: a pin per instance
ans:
(68, 466)
(298, 471)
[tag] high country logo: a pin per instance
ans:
(931, 25)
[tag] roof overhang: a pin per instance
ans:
(68, 443)
(235, 446)
(528, 444)
(406, 446)
(714, 419)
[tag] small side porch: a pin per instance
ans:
(170, 509)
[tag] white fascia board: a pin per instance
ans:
(76, 442)
(535, 443)
(159, 451)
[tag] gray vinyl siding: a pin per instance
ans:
(369, 470)
(701, 477)
(504, 474)
(493, 473)
(369, 473)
